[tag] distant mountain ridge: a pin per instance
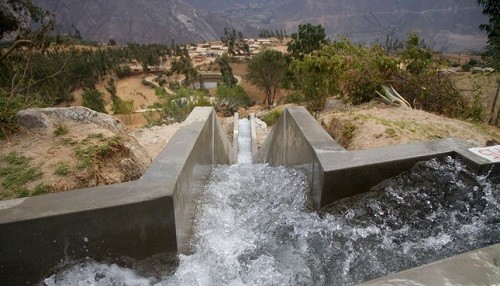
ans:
(446, 25)
(139, 21)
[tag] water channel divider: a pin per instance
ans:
(298, 141)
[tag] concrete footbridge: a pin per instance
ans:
(154, 215)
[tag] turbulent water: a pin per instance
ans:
(244, 141)
(255, 228)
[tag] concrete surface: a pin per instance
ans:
(114, 223)
(479, 267)
(336, 173)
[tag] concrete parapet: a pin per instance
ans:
(253, 133)
(130, 220)
(478, 267)
(236, 133)
(298, 140)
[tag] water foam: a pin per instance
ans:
(244, 141)
(255, 228)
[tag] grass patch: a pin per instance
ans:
(60, 130)
(348, 130)
(41, 189)
(390, 132)
(90, 155)
(15, 173)
(62, 169)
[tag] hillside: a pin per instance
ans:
(445, 25)
(132, 21)
(448, 26)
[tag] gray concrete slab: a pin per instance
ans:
(479, 267)
(130, 220)
(297, 140)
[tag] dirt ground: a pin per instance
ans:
(376, 125)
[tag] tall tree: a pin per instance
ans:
(308, 38)
(491, 8)
(266, 70)
(226, 70)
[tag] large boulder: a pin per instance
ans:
(83, 129)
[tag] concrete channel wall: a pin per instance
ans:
(136, 220)
(297, 140)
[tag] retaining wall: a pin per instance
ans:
(135, 220)
(297, 140)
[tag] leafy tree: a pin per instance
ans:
(229, 39)
(93, 99)
(491, 8)
(266, 70)
(416, 55)
(111, 88)
(235, 42)
(353, 72)
(308, 38)
(184, 65)
(226, 70)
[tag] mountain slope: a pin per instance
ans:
(446, 25)
(151, 21)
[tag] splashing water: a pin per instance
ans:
(255, 228)
(244, 141)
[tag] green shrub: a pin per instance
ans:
(271, 117)
(294, 96)
(121, 106)
(477, 109)
(234, 96)
(93, 99)
(9, 106)
(354, 72)
(60, 130)
(62, 169)
(122, 71)
(41, 189)
(176, 108)
(160, 91)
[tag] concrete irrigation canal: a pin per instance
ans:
(299, 211)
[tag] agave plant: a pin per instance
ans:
(391, 96)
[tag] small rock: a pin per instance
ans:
(130, 169)
(333, 104)
(260, 124)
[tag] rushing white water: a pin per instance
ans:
(255, 228)
(244, 141)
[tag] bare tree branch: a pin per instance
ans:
(14, 46)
